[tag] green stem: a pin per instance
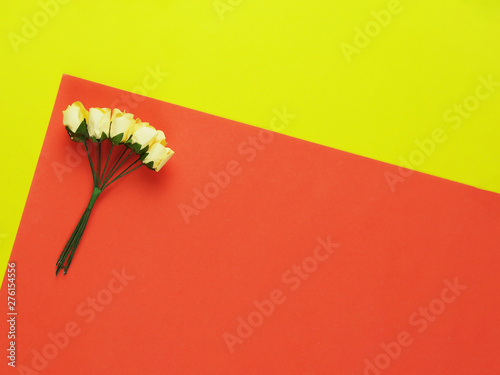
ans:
(106, 165)
(117, 168)
(91, 163)
(67, 248)
(95, 194)
(98, 161)
(124, 173)
(130, 166)
(68, 252)
(101, 181)
(77, 240)
(113, 169)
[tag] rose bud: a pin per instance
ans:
(143, 136)
(75, 118)
(99, 119)
(157, 156)
(121, 126)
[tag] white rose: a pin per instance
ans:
(157, 156)
(74, 115)
(143, 136)
(160, 138)
(121, 126)
(99, 119)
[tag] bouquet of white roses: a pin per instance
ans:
(122, 130)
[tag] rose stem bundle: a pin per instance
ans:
(101, 181)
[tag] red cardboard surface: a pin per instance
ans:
(290, 258)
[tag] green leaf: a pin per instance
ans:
(76, 137)
(150, 165)
(136, 147)
(82, 129)
(116, 139)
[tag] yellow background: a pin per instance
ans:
(252, 56)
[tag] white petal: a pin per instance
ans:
(95, 117)
(104, 123)
(160, 138)
(159, 155)
(164, 160)
(144, 136)
(74, 115)
(121, 123)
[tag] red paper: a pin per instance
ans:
(400, 282)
